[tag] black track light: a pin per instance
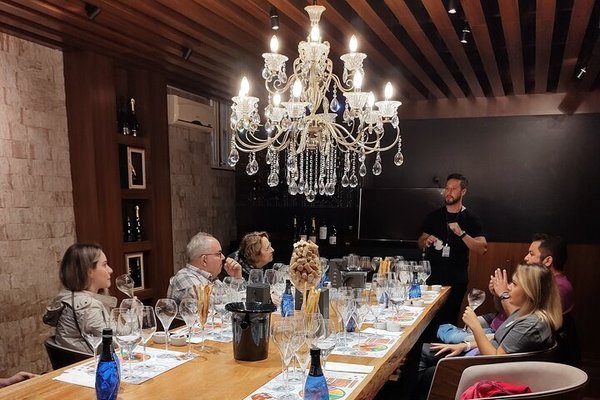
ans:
(92, 11)
(464, 37)
(581, 73)
(451, 6)
(187, 53)
(274, 19)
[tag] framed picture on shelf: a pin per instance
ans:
(134, 264)
(136, 168)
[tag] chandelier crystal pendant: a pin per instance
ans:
(303, 130)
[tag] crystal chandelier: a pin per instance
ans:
(304, 128)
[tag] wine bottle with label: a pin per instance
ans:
(129, 237)
(122, 118)
(304, 230)
(134, 126)
(296, 232)
(108, 369)
(138, 230)
(333, 235)
(323, 232)
(315, 387)
(312, 233)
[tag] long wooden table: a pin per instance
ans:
(217, 375)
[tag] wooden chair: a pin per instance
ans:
(546, 380)
(61, 356)
(449, 370)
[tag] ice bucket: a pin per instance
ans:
(251, 323)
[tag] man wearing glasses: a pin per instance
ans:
(205, 261)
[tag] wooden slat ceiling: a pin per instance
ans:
(514, 47)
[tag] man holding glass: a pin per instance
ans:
(206, 260)
(449, 233)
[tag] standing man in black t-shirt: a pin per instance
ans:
(449, 233)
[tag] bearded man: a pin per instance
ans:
(449, 233)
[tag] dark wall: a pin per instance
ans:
(527, 174)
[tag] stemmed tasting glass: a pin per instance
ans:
(221, 295)
(397, 294)
(93, 336)
(476, 297)
(127, 331)
(132, 304)
(326, 339)
(361, 297)
(148, 321)
(281, 333)
(188, 309)
(256, 275)
(424, 271)
(125, 284)
(347, 309)
(378, 286)
(166, 310)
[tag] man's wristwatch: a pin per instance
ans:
(463, 235)
(504, 296)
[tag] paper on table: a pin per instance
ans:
(346, 367)
(381, 332)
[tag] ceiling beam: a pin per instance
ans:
(364, 11)
(511, 25)
(479, 28)
(442, 22)
(414, 30)
(544, 28)
(580, 18)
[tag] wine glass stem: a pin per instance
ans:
(130, 357)
(166, 338)
(190, 340)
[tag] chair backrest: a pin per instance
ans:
(61, 356)
(546, 380)
(449, 369)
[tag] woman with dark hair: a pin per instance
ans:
(82, 303)
(255, 252)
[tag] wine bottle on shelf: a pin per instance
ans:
(134, 126)
(323, 232)
(296, 234)
(138, 230)
(287, 300)
(315, 387)
(304, 230)
(108, 369)
(333, 236)
(312, 233)
(129, 237)
(122, 118)
(349, 236)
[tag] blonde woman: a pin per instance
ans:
(537, 314)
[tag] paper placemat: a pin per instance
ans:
(156, 362)
(340, 384)
(347, 367)
(370, 345)
(210, 332)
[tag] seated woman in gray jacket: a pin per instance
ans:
(82, 305)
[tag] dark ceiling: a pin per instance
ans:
(514, 47)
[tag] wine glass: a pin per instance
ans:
(166, 310)
(312, 324)
(132, 304)
(282, 332)
(476, 297)
(362, 309)
(125, 284)
(256, 276)
(127, 330)
(221, 295)
(424, 271)
(326, 339)
(347, 308)
(148, 321)
(92, 335)
(188, 309)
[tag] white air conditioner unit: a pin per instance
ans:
(190, 113)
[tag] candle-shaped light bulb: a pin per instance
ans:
(353, 44)
(315, 35)
(274, 44)
(297, 89)
(371, 100)
(276, 99)
(388, 90)
(244, 87)
(357, 81)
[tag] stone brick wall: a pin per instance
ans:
(36, 204)
(202, 198)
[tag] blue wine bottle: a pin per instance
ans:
(315, 387)
(287, 300)
(415, 288)
(108, 374)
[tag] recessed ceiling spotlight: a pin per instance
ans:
(451, 6)
(274, 19)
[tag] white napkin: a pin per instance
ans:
(77, 378)
(381, 332)
(345, 367)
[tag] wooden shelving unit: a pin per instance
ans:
(93, 84)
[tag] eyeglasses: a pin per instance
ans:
(218, 253)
